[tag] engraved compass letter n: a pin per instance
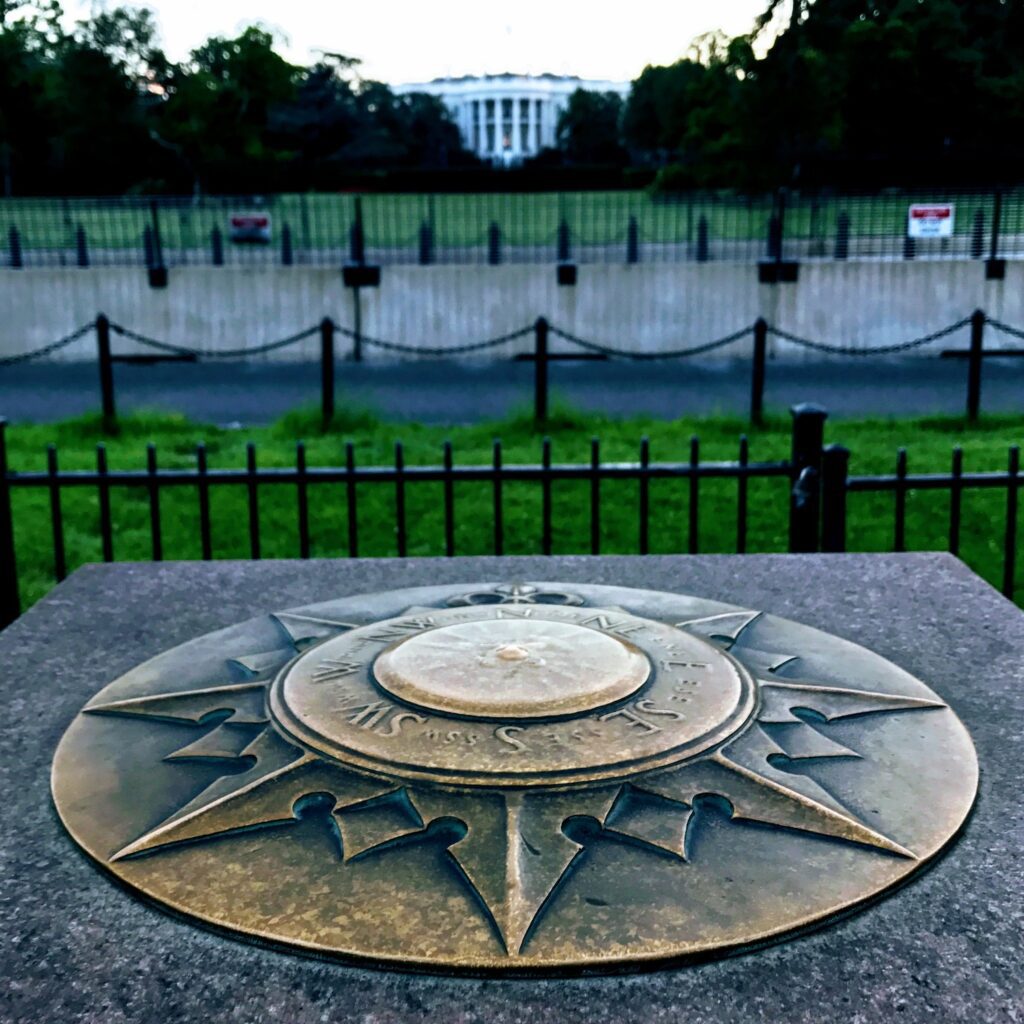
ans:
(515, 777)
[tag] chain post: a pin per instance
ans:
(357, 238)
(540, 371)
(81, 247)
(217, 247)
(493, 244)
(287, 251)
(805, 495)
(835, 467)
(564, 244)
(974, 364)
(997, 219)
(106, 368)
(10, 603)
(15, 260)
(757, 374)
(632, 241)
(327, 371)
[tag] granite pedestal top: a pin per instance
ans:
(947, 947)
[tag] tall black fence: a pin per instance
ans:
(154, 350)
(158, 232)
(816, 482)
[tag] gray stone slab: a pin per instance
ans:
(75, 947)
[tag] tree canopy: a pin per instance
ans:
(864, 92)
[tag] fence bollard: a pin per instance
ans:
(805, 496)
(106, 367)
(909, 247)
(81, 247)
(356, 236)
(426, 244)
(774, 238)
(540, 372)
(14, 258)
(10, 603)
(997, 219)
(757, 371)
(974, 365)
(326, 371)
(564, 247)
(217, 247)
(632, 241)
(703, 243)
(978, 235)
(148, 247)
(287, 255)
(493, 244)
(835, 467)
(843, 236)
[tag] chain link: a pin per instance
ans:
(46, 350)
(394, 346)
(679, 353)
(1014, 332)
(851, 350)
(231, 353)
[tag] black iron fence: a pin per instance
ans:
(758, 333)
(817, 485)
(573, 227)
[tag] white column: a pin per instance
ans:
(531, 121)
(516, 151)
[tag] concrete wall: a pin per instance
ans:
(652, 307)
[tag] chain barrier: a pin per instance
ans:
(678, 353)
(850, 350)
(394, 346)
(479, 346)
(46, 350)
(1014, 332)
(231, 353)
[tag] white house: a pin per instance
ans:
(506, 118)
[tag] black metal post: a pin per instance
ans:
(287, 253)
(540, 371)
(564, 248)
(148, 247)
(357, 238)
(10, 603)
(703, 242)
(757, 371)
(493, 244)
(426, 244)
(632, 241)
(997, 223)
(974, 364)
(158, 247)
(217, 247)
(106, 367)
(834, 470)
(843, 236)
(327, 370)
(81, 247)
(805, 496)
(14, 256)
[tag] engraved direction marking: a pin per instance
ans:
(398, 630)
(632, 718)
(507, 734)
(610, 625)
(513, 612)
(670, 663)
(332, 668)
(648, 707)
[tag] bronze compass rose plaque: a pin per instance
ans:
(515, 778)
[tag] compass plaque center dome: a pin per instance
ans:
(512, 668)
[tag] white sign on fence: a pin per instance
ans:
(249, 227)
(931, 220)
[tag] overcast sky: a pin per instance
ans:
(413, 40)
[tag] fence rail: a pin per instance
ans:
(817, 478)
(759, 332)
(574, 227)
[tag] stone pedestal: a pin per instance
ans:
(948, 947)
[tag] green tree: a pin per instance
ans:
(588, 129)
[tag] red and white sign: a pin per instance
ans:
(931, 220)
(249, 227)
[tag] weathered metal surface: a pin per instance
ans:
(515, 777)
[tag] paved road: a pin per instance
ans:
(456, 393)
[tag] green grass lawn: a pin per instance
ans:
(873, 444)
(322, 220)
